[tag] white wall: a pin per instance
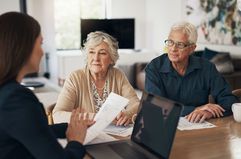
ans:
(9, 5)
(132, 9)
(153, 21)
(161, 14)
(43, 11)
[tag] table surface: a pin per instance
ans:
(48, 85)
(221, 142)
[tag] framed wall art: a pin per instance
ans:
(217, 21)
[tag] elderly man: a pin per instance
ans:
(180, 76)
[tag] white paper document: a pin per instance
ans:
(123, 131)
(101, 138)
(107, 113)
(184, 124)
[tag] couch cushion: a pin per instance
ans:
(222, 60)
(140, 80)
(129, 72)
(140, 75)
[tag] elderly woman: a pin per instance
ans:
(89, 87)
(180, 76)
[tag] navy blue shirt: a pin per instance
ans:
(24, 129)
(200, 80)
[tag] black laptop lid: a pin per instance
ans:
(156, 124)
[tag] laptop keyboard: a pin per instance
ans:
(127, 151)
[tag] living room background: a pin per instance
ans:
(153, 21)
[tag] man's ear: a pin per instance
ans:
(193, 47)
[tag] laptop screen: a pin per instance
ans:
(156, 123)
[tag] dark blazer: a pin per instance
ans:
(24, 130)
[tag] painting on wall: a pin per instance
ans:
(217, 21)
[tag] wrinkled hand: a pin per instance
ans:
(215, 109)
(204, 112)
(198, 116)
(122, 119)
(78, 126)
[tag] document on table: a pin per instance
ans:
(101, 138)
(107, 113)
(184, 124)
(123, 131)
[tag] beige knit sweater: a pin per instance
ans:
(77, 92)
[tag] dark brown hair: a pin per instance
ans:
(18, 33)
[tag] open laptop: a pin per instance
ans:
(153, 133)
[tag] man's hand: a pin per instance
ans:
(198, 116)
(215, 109)
(204, 112)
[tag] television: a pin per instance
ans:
(121, 29)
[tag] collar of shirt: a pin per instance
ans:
(194, 63)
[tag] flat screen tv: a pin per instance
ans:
(121, 29)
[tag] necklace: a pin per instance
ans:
(99, 94)
(98, 88)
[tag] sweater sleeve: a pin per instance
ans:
(27, 124)
(128, 92)
(66, 101)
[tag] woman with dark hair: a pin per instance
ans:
(24, 130)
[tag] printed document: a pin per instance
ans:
(184, 124)
(123, 131)
(107, 113)
(101, 138)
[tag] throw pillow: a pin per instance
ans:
(209, 54)
(198, 53)
(223, 63)
(222, 60)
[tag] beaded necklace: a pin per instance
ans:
(98, 100)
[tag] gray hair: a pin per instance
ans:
(187, 28)
(96, 38)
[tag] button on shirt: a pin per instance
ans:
(200, 80)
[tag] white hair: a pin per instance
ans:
(96, 38)
(187, 28)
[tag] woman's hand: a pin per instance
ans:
(78, 126)
(204, 112)
(122, 119)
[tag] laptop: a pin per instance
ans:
(153, 133)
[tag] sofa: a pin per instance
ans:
(228, 66)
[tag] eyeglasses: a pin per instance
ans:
(179, 45)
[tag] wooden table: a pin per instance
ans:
(221, 142)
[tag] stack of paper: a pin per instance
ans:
(101, 138)
(184, 124)
(123, 131)
(107, 113)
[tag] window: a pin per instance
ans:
(67, 20)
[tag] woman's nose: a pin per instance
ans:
(96, 56)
